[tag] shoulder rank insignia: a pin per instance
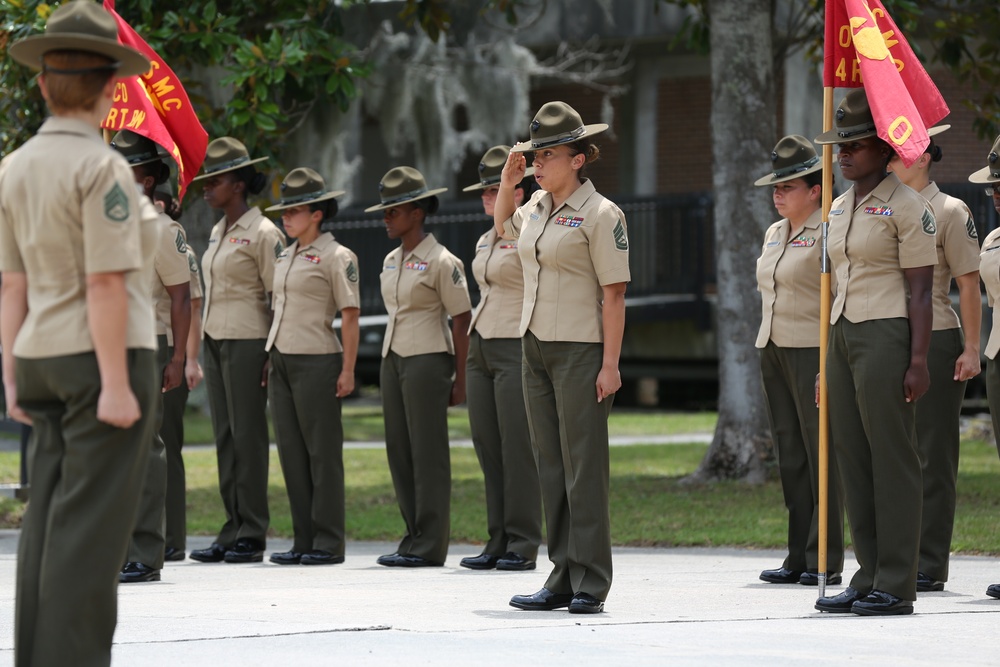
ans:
(278, 247)
(970, 228)
(456, 276)
(116, 204)
(621, 240)
(927, 222)
(181, 244)
(352, 272)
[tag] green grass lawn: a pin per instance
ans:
(651, 504)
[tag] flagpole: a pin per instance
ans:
(824, 338)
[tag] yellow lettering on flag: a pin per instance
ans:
(138, 118)
(900, 130)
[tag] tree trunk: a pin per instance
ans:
(743, 135)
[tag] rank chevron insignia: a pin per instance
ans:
(621, 240)
(116, 204)
(352, 272)
(180, 243)
(456, 276)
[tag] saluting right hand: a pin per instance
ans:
(513, 170)
(118, 407)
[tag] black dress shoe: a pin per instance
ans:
(810, 578)
(245, 551)
(585, 603)
(319, 557)
(134, 573)
(389, 560)
(993, 590)
(286, 557)
(409, 560)
(841, 603)
(173, 553)
(543, 600)
(480, 562)
(781, 576)
(213, 554)
(925, 584)
(880, 603)
(515, 561)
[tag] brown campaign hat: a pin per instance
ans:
(557, 123)
(80, 25)
(402, 185)
(793, 157)
(225, 154)
(852, 120)
(991, 172)
(303, 186)
(136, 148)
(490, 167)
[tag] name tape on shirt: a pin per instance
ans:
(416, 266)
(771, 244)
(239, 241)
(878, 210)
(803, 242)
(569, 221)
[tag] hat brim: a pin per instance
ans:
(771, 179)
(207, 174)
(306, 202)
(983, 175)
(831, 137)
(937, 129)
(425, 195)
(29, 51)
(588, 131)
(530, 171)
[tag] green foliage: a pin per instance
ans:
(22, 109)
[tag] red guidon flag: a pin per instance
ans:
(156, 106)
(865, 48)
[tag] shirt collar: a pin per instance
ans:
(320, 242)
(247, 218)
(576, 200)
(931, 191)
(884, 190)
(62, 125)
(423, 248)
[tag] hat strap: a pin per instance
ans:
(492, 180)
(309, 196)
(83, 70)
(795, 168)
(403, 197)
(227, 165)
(559, 139)
(846, 132)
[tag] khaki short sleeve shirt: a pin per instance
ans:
(196, 290)
(871, 242)
(957, 251)
(989, 272)
(420, 291)
(567, 256)
(238, 267)
(312, 283)
(497, 269)
(69, 208)
(788, 278)
(171, 268)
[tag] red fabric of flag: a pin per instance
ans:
(865, 48)
(156, 106)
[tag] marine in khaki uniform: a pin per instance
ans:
(314, 278)
(573, 245)
(76, 243)
(496, 400)
(172, 306)
(953, 358)
(882, 247)
(423, 365)
(788, 280)
(989, 271)
(238, 267)
(172, 429)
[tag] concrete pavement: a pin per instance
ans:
(667, 606)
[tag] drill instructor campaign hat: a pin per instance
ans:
(793, 157)
(490, 167)
(853, 120)
(225, 154)
(80, 25)
(991, 172)
(402, 185)
(557, 123)
(136, 148)
(303, 186)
